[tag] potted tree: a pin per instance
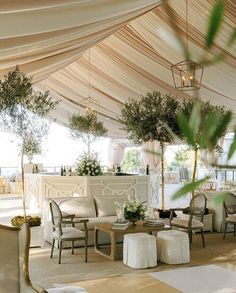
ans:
(149, 119)
(206, 110)
(23, 110)
(87, 128)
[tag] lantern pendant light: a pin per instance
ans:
(187, 75)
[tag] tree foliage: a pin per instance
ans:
(146, 119)
(86, 127)
(22, 110)
(205, 119)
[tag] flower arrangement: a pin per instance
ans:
(88, 166)
(134, 210)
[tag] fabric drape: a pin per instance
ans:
(132, 50)
(45, 36)
(116, 151)
(152, 155)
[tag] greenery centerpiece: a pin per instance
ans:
(152, 118)
(88, 166)
(134, 210)
(87, 128)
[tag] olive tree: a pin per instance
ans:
(22, 112)
(87, 128)
(149, 118)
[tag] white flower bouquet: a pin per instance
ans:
(134, 210)
(88, 166)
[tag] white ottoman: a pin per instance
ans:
(140, 250)
(173, 247)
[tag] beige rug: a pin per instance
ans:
(131, 284)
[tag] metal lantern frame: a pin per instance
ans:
(187, 75)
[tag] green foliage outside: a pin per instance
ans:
(183, 158)
(132, 160)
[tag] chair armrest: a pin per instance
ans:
(81, 221)
(68, 216)
(172, 210)
(68, 222)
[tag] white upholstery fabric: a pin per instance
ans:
(69, 232)
(82, 207)
(140, 250)
(173, 247)
(231, 218)
(106, 205)
(184, 223)
(69, 289)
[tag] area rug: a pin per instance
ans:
(200, 279)
(131, 284)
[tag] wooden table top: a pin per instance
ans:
(139, 227)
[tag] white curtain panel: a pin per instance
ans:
(116, 151)
(150, 156)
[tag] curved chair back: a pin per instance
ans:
(198, 205)
(56, 217)
(230, 204)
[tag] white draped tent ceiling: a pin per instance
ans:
(132, 48)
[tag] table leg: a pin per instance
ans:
(114, 254)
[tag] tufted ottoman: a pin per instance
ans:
(173, 247)
(140, 250)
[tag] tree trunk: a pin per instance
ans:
(162, 177)
(88, 148)
(23, 180)
(194, 167)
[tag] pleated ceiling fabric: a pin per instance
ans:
(45, 36)
(129, 55)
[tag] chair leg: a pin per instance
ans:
(190, 240)
(234, 230)
(203, 240)
(60, 247)
(86, 250)
(225, 229)
(72, 247)
(52, 248)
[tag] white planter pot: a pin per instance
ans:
(36, 236)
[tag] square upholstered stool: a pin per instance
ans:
(140, 250)
(173, 247)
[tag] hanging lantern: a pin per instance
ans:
(187, 75)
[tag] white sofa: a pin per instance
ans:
(97, 209)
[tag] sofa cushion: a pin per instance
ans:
(81, 207)
(106, 205)
(96, 220)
